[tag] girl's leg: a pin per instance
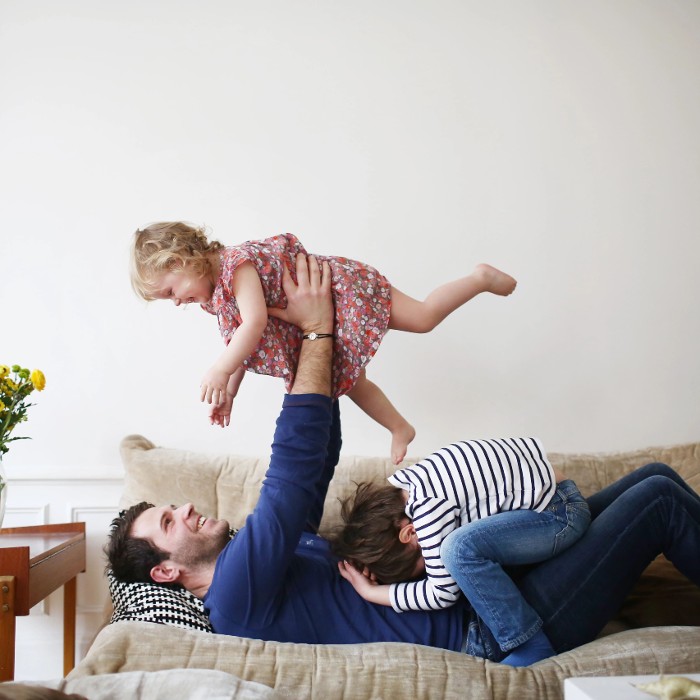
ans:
(373, 401)
(579, 591)
(474, 556)
(408, 314)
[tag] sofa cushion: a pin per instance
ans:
(385, 670)
(146, 602)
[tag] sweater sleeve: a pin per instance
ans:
(332, 457)
(250, 573)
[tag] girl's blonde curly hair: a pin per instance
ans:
(166, 246)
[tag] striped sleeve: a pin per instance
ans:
(433, 519)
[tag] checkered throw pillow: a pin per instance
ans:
(149, 602)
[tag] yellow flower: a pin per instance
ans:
(16, 385)
(38, 379)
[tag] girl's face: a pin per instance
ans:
(183, 287)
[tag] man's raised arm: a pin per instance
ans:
(310, 306)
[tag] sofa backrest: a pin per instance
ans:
(227, 486)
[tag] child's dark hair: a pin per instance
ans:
(369, 536)
(130, 558)
(165, 246)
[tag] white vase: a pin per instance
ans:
(3, 490)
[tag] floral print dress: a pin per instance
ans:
(361, 295)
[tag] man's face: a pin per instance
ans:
(190, 538)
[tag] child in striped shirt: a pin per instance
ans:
(452, 521)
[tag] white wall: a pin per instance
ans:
(556, 139)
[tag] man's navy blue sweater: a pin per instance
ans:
(277, 580)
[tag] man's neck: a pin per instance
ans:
(198, 582)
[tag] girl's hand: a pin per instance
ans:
(213, 386)
(363, 582)
(355, 577)
(220, 414)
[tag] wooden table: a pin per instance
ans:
(34, 562)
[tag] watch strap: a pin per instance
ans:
(316, 336)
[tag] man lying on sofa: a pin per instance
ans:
(277, 580)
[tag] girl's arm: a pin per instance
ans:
(364, 585)
(381, 594)
(429, 593)
(247, 289)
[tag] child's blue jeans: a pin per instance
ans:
(475, 554)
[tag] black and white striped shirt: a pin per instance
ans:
(460, 483)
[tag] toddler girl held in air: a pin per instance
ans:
(242, 286)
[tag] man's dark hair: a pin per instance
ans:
(370, 535)
(130, 558)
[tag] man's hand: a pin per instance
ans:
(310, 306)
(309, 301)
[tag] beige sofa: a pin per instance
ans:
(227, 486)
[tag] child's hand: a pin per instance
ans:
(213, 386)
(364, 582)
(220, 414)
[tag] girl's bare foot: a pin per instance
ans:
(494, 280)
(400, 439)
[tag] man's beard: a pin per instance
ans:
(207, 550)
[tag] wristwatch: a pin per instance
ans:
(314, 336)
